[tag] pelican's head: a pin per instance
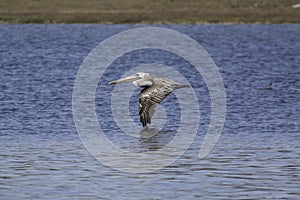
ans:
(132, 78)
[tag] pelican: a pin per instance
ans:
(155, 89)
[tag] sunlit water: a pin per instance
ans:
(256, 157)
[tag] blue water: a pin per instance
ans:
(256, 157)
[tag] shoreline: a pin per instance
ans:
(154, 23)
(2, 22)
(150, 12)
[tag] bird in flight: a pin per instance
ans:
(155, 89)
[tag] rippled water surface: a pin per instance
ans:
(256, 157)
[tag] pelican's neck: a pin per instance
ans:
(136, 82)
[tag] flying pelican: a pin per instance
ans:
(155, 89)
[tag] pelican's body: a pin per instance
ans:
(155, 89)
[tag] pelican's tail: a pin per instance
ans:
(182, 86)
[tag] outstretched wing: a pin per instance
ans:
(149, 98)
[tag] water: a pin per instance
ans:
(256, 157)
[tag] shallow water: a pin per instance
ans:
(256, 157)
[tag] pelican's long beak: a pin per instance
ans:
(125, 80)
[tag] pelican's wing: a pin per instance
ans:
(149, 98)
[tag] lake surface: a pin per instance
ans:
(256, 157)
